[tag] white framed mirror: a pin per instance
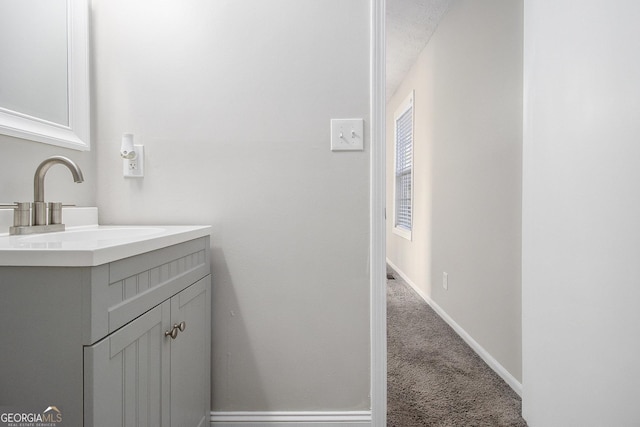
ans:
(44, 71)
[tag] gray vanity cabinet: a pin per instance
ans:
(92, 340)
(142, 376)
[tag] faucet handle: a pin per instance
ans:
(55, 213)
(21, 213)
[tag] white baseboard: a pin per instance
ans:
(484, 354)
(291, 419)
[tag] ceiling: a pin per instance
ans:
(409, 26)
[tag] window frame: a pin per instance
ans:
(403, 108)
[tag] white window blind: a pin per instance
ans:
(404, 168)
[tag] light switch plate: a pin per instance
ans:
(347, 134)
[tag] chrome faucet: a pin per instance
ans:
(39, 207)
(38, 223)
(41, 171)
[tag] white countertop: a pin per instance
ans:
(92, 245)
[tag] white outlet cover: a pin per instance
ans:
(134, 168)
(347, 134)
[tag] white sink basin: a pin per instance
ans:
(92, 235)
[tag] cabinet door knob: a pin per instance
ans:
(177, 327)
(173, 333)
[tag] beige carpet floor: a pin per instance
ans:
(434, 377)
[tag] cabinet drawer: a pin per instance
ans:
(123, 289)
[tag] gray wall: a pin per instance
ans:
(233, 100)
(467, 183)
(19, 159)
(580, 214)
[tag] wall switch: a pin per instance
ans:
(347, 134)
(445, 280)
(134, 168)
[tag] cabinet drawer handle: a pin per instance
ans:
(173, 333)
(182, 326)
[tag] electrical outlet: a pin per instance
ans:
(134, 168)
(445, 281)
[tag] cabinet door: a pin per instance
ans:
(125, 374)
(190, 356)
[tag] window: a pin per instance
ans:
(403, 188)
